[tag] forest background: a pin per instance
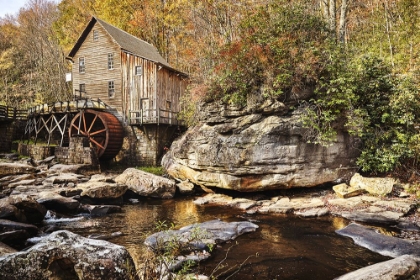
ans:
(360, 58)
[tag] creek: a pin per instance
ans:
(284, 246)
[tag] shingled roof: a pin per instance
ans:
(126, 41)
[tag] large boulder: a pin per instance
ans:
(146, 184)
(251, 151)
(63, 253)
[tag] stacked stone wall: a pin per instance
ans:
(78, 152)
(36, 152)
(6, 136)
(145, 146)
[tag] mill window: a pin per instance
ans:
(139, 70)
(82, 88)
(111, 89)
(95, 35)
(110, 61)
(82, 65)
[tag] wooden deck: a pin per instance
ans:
(73, 106)
(158, 116)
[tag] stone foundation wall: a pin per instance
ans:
(36, 152)
(6, 136)
(10, 131)
(145, 146)
(78, 152)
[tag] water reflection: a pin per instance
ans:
(339, 222)
(288, 247)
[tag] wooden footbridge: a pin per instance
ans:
(55, 123)
(9, 114)
(77, 118)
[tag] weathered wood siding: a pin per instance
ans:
(170, 87)
(97, 75)
(138, 87)
(158, 87)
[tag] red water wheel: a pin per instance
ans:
(103, 130)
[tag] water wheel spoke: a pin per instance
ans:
(97, 144)
(78, 130)
(84, 121)
(93, 122)
(98, 131)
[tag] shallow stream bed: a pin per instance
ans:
(284, 246)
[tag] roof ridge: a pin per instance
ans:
(121, 30)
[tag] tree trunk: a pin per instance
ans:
(342, 23)
(332, 14)
(324, 9)
(388, 31)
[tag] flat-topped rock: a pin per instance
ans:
(210, 232)
(378, 217)
(15, 168)
(352, 202)
(214, 198)
(146, 184)
(286, 205)
(102, 190)
(379, 243)
(402, 206)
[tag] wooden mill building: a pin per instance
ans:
(136, 83)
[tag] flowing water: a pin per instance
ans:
(284, 246)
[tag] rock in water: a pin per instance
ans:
(252, 151)
(379, 243)
(198, 236)
(66, 253)
(146, 184)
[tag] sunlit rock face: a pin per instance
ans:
(255, 149)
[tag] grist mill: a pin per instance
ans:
(125, 105)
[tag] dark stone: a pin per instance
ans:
(59, 203)
(102, 210)
(6, 225)
(366, 217)
(379, 243)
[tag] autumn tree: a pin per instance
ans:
(46, 66)
(9, 60)
(280, 56)
(73, 16)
